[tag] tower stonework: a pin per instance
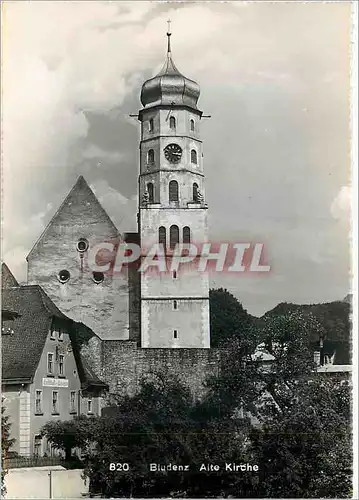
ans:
(172, 210)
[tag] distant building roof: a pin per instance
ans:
(7, 278)
(262, 354)
(334, 368)
(21, 350)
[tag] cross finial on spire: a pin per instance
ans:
(169, 37)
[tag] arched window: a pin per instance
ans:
(150, 192)
(172, 122)
(174, 236)
(151, 156)
(195, 192)
(193, 156)
(192, 125)
(150, 125)
(186, 235)
(162, 236)
(173, 191)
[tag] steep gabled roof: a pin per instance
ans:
(80, 194)
(7, 278)
(21, 350)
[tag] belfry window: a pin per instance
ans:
(150, 125)
(195, 192)
(174, 236)
(186, 235)
(162, 236)
(150, 156)
(192, 125)
(173, 191)
(150, 192)
(193, 156)
(172, 122)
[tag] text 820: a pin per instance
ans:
(119, 467)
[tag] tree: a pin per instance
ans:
(6, 444)
(70, 434)
(228, 318)
(305, 450)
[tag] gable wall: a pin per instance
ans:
(103, 307)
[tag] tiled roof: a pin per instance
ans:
(21, 350)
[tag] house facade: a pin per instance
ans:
(44, 377)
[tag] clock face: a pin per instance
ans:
(173, 153)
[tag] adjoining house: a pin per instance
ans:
(44, 377)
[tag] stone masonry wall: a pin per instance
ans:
(124, 364)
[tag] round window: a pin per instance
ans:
(82, 245)
(98, 277)
(63, 276)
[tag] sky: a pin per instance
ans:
(275, 78)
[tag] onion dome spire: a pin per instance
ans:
(169, 86)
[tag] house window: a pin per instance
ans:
(150, 192)
(174, 236)
(38, 402)
(52, 335)
(193, 156)
(89, 405)
(162, 236)
(61, 335)
(172, 122)
(37, 445)
(73, 402)
(55, 403)
(175, 334)
(192, 125)
(173, 191)
(186, 235)
(150, 156)
(175, 305)
(50, 363)
(61, 364)
(150, 125)
(195, 192)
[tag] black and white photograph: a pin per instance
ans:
(178, 249)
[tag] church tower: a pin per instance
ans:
(172, 209)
